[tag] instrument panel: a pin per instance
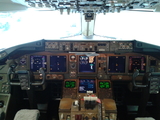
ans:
(59, 66)
(79, 71)
(75, 88)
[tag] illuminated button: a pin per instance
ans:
(1, 78)
(3, 86)
(6, 91)
(48, 77)
(7, 86)
(1, 104)
(60, 77)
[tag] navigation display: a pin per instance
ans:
(57, 63)
(37, 62)
(70, 84)
(137, 62)
(87, 64)
(104, 84)
(87, 85)
(116, 64)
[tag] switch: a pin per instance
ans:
(48, 77)
(93, 118)
(1, 104)
(68, 117)
(95, 48)
(78, 117)
(64, 47)
(3, 86)
(86, 118)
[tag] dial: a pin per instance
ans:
(73, 65)
(37, 61)
(23, 61)
(72, 57)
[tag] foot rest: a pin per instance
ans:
(26, 114)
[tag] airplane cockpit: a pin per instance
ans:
(87, 75)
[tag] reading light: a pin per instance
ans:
(12, 5)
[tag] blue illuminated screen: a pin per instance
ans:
(85, 66)
(37, 62)
(57, 63)
(87, 85)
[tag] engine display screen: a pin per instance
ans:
(57, 63)
(87, 85)
(87, 64)
(137, 62)
(104, 84)
(37, 62)
(70, 84)
(116, 64)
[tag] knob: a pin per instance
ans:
(1, 104)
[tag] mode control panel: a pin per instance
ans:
(106, 46)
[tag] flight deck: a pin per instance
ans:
(80, 74)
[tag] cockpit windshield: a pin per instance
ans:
(129, 25)
(21, 27)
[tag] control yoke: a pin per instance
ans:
(152, 81)
(24, 77)
(42, 73)
(135, 74)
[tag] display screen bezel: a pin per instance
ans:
(124, 65)
(104, 87)
(46, 66)
(79, 72)
(65, 63)
(95, 85)
(69, 82)
(140, 57)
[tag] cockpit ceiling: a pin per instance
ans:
(93, 6)
(89, 7)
